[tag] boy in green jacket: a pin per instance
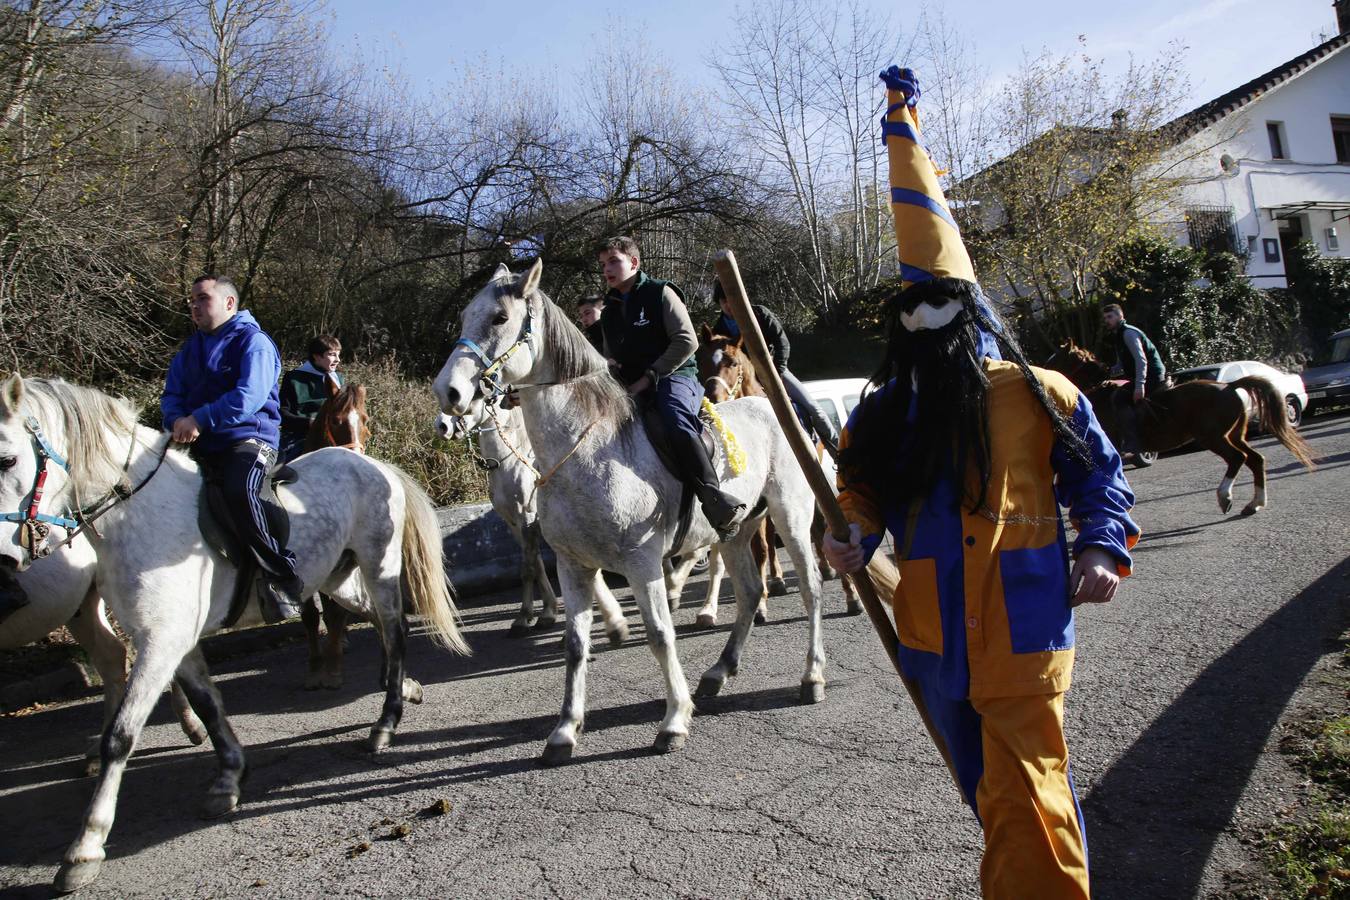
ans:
(303, 391)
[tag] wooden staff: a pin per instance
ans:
(753, 342)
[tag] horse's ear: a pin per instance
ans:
(705, 334)
(11, 394)
(531, 282)
(502, 271)
(740, 341)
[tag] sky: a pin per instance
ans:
(1228, 41)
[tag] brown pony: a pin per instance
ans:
(340, 422)
(1207, 412)
(727, 374)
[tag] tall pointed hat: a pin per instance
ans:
(926, 235)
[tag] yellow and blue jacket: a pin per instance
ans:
(982, 608)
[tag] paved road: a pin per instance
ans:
(1173, 724)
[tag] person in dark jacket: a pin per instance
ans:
(650, 343)
(220, 397)
(1141, 365)
(589, 309)
(303, 392)
(779, 349)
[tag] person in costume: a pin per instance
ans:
(650, 343)
(965, 454)
(303, 392)
(1142, 367)
(780, 348)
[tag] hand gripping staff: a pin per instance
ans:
(880, 569)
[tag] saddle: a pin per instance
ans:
(222, 533)
(656, 433)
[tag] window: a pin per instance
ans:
(1340, 136)
(1212, 228)
(1275, 131)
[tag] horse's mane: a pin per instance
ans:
(351, 397)
(84, 417)
(598, 395)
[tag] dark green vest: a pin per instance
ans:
(1156, 370)
(635, 329)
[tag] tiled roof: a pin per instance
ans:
(1207, 114)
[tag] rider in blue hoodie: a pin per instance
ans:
(220, 396)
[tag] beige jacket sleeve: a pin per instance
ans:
(683, 340)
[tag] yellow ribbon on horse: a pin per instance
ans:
(735, 455)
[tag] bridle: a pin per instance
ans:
(733, 390)
(490, 379)
(35, 525)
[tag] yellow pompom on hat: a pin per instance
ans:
(928, 241)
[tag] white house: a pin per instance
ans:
(1268, 163)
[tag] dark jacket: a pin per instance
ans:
(649, 331)
(774, 335)
(1155, 372)
(303, 392)
(227, 380)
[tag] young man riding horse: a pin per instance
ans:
(220, 396)
(650, 343)
(1142, 366)
(304, 391)
(779, 348)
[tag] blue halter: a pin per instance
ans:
(490, 380)
(37, 524)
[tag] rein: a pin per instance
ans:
(35, 526)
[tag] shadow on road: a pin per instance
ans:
(1178, 785)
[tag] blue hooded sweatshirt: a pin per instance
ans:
(227, 380)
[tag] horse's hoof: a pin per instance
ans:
(91, 766)
(379, 740)
(1225, 505)
(854, 607)
(669, 742)
(196, 736)
(544, 624)
(412, 691)
(709, 686)
(519, 628)
(217, 805)
(556, 754)
(1251, 510)
(760, 617)
(777, 587)
(828, 574)
(811, 692)
(331, 682)
(73, 876)
(705, 620)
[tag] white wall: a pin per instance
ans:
(1304, 106)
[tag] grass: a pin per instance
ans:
(1309, 856)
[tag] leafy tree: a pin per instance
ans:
(1319, 287)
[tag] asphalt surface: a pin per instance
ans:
(1173, 724)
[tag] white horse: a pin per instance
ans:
(64, 584)
(607, 502)
(362, 533)
(506, 452)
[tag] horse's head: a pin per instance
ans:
(461, 426)
(500, 334)
(722, 366)
(341, 421)
(1078, 364)
(20, 464)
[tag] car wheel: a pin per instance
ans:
(1145, 458)
(1293, 411)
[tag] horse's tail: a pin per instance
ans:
(424, 577)
(1271, 414)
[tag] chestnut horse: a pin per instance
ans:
(726, 373)
(340, 422)
(1207, 412)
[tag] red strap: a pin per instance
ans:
(37, 492)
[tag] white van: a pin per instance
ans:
(836, 396)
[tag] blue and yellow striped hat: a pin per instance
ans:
(928, 241)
